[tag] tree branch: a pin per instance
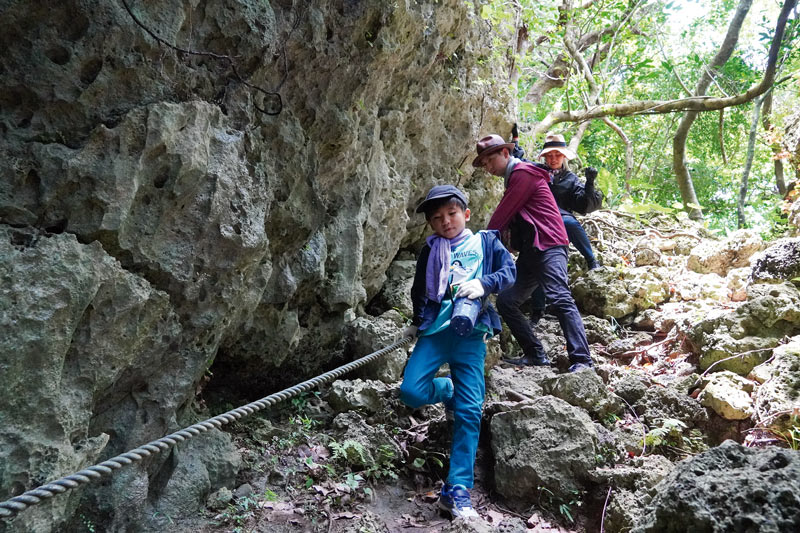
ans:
(694, 103)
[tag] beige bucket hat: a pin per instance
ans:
(556, 142)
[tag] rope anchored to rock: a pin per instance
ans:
(12, 507)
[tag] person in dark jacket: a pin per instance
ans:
(529, 212)
(571, 195)
(454, 264)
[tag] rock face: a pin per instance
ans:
(779, 262)
(721, 256)
(728, 488)
(603, 292)
(154, 220)
(771, 312)
(778, 399)
(547, 444)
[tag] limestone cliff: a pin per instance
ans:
(162, 212)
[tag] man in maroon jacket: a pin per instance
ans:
(530, 214)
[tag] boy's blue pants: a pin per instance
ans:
(465, 356)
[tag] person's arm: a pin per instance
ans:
(504, 270)
(583, 198)
(520, 187)
(418, 287)
(594, 198)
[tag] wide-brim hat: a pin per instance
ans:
(441, 191)
(554, 142)
(489, 145)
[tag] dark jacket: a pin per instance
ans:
(572, 195)
(499, 273)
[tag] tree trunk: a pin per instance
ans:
(766, 114)
(682, 174)
(748, 163)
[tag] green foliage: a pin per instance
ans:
(670, 433)
(673, 439)
(651, 55)
(350, 452)
(792, 435)
(354, 455)
(564, 507)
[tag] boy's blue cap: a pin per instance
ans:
(439, 192)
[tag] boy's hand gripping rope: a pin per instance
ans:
(12, 507)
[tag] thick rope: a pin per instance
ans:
(12, 507)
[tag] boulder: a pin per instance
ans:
(662, 403)
(728, 394)
(778, 263)
(721, 256)
(366, 335)
(630, 386)
(750, 331)
(777, 400)
(728, 488)
(630, 483)
(690, 286)
(599, 330)
(511, 383)
(548, 444)
(357, 395)
(199, 466)
(585, 390)
(605, 292)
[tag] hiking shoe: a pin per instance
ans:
(580, 366)
(455, 500)
(526, 360)
(535, 316)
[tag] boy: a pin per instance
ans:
(483, 266)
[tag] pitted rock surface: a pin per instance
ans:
(721, 256)
(771, 312)
(728, 394)
(545, 444)
(361, 395)
(780, 262)
(777, 400)
(585, 390)
(604, 292)
(170, 225)
(728, 488)
(660, 403)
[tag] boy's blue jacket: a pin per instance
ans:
(499, 273)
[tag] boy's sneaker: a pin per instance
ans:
(455, 500)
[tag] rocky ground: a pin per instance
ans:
(691, 422)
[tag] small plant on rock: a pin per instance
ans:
(565, 507)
